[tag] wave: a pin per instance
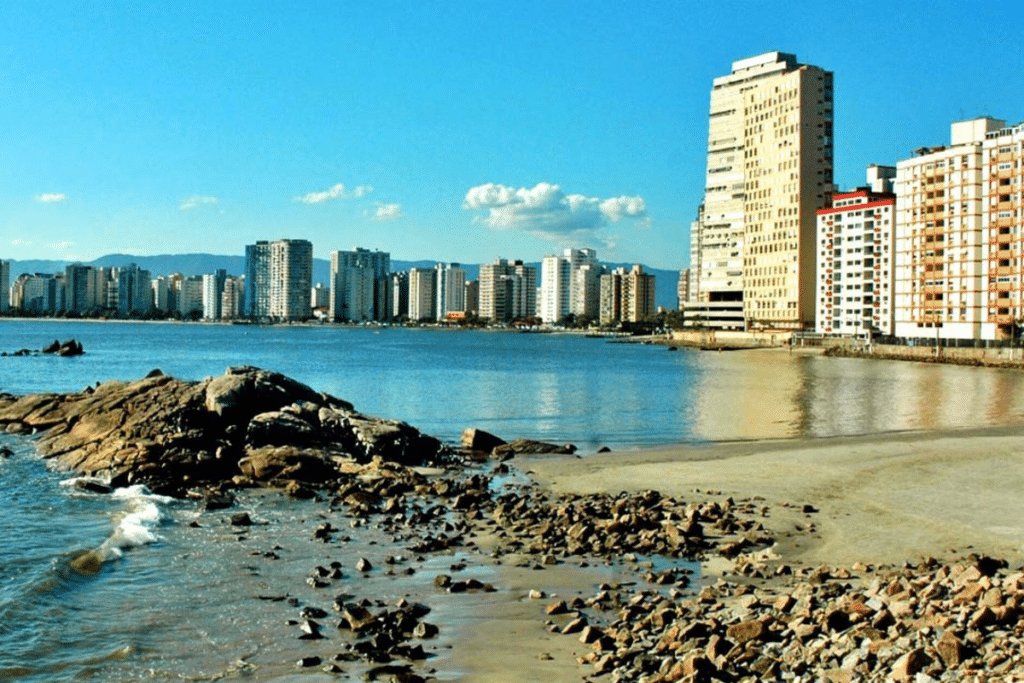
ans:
(133, 525)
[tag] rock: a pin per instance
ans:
(363, 565)
(530, 447)
(72, 347)
(241, 519)
(91, 485)
(558, 607)
(279, 428)
(908, 665)
(52, 347)
(951, 650)
(87, 563)
(155, 372)
(746, 631)
(478, 440)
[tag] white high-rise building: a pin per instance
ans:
(449, 289)
(213, 294)
(855, 265)
(189, 296)
(959, 244)
(769, 169)
(360, 283)
(569, 284)
(421, 295)
(278, 277)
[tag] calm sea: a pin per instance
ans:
(178, 601)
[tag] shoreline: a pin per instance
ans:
(876, 501)
(902, 478)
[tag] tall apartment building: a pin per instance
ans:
(231, 298)
(161, 292)
(508, 290)
(856, 240)
(449, 289)
(626, 296)
(213, 294)
(683, 288)
(85, 288)
(399, 295)
(942, 278)
(360, 283)
(5, 285)
(1003, 225)
(188, 296)
(257, 280)
(569, 284)
(769, 169)
(422, 301)
(472, 295)
(39, 293)
(278, 277)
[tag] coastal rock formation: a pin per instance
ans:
(72, 347)
(246, 427)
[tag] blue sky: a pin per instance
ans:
(455, 131)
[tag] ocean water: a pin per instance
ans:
(182, 595)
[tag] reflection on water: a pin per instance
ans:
(559, 388)
(760, 395)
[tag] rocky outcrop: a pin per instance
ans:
(246, 427)
(72, 347)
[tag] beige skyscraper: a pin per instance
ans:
(769, 169)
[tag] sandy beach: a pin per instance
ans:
(881, 499)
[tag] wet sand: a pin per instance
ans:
(879, 499)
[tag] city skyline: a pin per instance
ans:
(498, 132)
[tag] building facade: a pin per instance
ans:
(942, 277)
(213, 294)
(855, 264)
(508, 290)
(360, 285)
(39, 293)
(769, 170)
(421, 295)
(564, 290)
(626, 295)
(1003, 229)
(399, 295)
(278, 277)
(449, 289)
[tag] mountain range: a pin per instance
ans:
(199, 264)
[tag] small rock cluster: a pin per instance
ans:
(72, 347)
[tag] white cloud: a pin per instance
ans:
(338, 191)
(21, 243)
(549, 213)
(197, 200)
(386, 212)
(51, 197)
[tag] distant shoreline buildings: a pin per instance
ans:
(276, 286)
(930, 248)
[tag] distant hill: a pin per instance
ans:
(199, 264)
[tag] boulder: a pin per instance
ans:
(531, 447)
(478, 440)
(246, 426)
